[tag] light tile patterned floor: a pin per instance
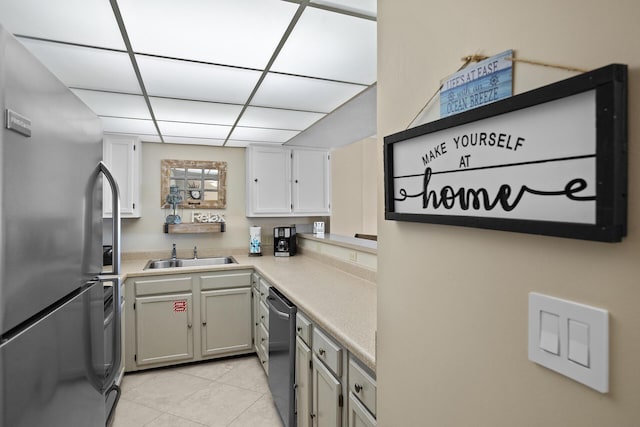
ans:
(230, 392)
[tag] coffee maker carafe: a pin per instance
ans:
(284, 241)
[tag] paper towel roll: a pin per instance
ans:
(255, 240)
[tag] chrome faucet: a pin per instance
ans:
(173, 252)
(195, 252)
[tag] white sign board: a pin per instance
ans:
(541, 167)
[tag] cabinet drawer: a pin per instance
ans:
(164, 285)
(264, 290)
(225, 281)
(358, 414)
(327, 351)
(263, 311)
(362, 385)
(263, 341)
(303, 328)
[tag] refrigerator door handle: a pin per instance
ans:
(115, 208)
(115, 276)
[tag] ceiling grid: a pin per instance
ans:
(211, 72)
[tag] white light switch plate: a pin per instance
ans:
(589, 361)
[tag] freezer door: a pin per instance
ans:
(52, 373)
(51, 194)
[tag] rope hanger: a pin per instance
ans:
(477, 58)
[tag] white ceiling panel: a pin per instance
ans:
(144, 138)
(192, 80)
(262, 135)
(240, 144)
(128, 126)
(86, 68)
(278, 119)
(236, 32)
(114, 104)
(301, 93)
(89, 22)
(178, 110)
(365, 7)
(331, 46)
(193, 130)
(194, 141)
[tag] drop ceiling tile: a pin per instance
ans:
(194, 141)
(278, 119)
(89, 22)
(86, 68)
(128, 126)
(193, 130)
(302, 93)
(114, 104)
(196, 81)
(178, 110)
(235, 32)
(332, 46)
(262, 135)
(234, 143)
(143, 138)
(365, 7)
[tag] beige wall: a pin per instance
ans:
(145, 233)
(354, 192)
(452, 301)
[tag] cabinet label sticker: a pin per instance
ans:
(179, 306)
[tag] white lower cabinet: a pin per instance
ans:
(164, 328)
(168, 316)
(358, 414)
(304, 381)
(261, 319)
(327, 396)
(224, 315)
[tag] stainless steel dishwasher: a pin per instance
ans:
(282, 354)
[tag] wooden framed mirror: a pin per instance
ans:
(202, 184)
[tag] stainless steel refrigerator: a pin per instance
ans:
(53, 366)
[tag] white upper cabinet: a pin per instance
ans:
(122, 155)
(287, 182)
(310, 189)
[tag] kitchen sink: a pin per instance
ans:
(189, 262)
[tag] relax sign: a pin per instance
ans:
(551, 161)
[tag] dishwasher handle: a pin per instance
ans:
(272, 308)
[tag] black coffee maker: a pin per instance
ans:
(284, 241)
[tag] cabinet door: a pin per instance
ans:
(226, 320)
(255, 301)
(122, 157)
(327, 411)
(358, 414)
(311, 182)
(303, 384)
(164, 328)
(269, 180)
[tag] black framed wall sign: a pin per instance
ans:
(552, 161)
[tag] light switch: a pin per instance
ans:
(550, 332)
(579, 342)
(570, 338)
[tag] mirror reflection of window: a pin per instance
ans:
(201, 183)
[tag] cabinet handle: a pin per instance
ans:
(312, 415)
(358, 388)
(296, 181)
(299, 329)
(262, 339)
(255, 180)
(321, 351)
(189, 325)
(204, 323)
(262, 317)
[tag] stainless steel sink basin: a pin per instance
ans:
(189, 262)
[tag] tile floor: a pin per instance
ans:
(231, 392)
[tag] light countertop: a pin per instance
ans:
(342, 304)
